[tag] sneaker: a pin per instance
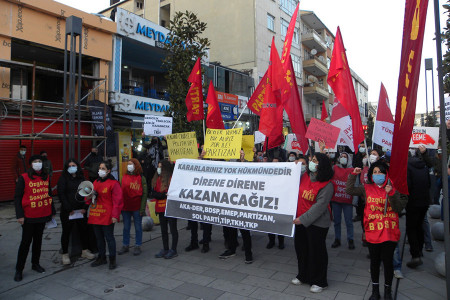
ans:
(336, 243)
(87, 254)
(205, 248)
(414, 263)
(66, 259)
(351, 244)
(161, 253)
(270, 245)
(227, 254)
(38, 268)
(248, 260)
(316, 289)
(171, 254)
(191, 247)
(101, 260)
(137, 250)
(123, 250)
(296, 281)
(398, 274)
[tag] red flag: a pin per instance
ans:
(271, 121)
(194, 97)
(340, 80)
(257, 98)
(324, 114)
(413, 30)
(214, 117)
(286, 53)
(384, 122)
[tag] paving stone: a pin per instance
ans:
(57, 291)
(162, 282)
(345, 296)
(350, 288)
(270, 284)
(199, 291)
(157, 293)
(283, 276)
(230, 296)
(265, 294)
(120, 295)
(280, 266)
(361, 280)
(194, 268)
(248, 269)
(421, 293)
(225, 274)
(232, 287)
(193, 278)
(303, 291)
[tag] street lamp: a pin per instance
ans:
(429, 66)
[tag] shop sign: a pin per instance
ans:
(140, 105)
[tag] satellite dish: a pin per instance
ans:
(313, 51)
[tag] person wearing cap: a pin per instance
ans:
(34, 207)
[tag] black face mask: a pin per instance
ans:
(94, 153)
(44, 158)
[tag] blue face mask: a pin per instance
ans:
(378, 178)
(72, 169)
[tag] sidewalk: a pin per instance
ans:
(195, 275)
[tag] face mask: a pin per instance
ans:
(343, 160)
(101, 173)
(291, 158)
(312, 166)
(37, 166)
(303, 169)
(159, 171)
(378, 178)
(72, 170)
(260, 157)
(362, 149)
(365, 161)
(93, 153)
(130, 168)
(332, 155)
(23, 152)
(373, 158)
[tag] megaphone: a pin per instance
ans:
(86, 189)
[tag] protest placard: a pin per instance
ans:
(248, 145)
(157, 125)
(223, 143)
(259, 137)
(447, 109)
(427, 136)
(235, 194)
(321, 131)
(182, 145)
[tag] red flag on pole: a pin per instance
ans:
(271, 121)
(340, 80)
(384, 122)
(286, 53)
(194, 97)
(214, 117)
(413, 30)
(257, 98)
(324, 114)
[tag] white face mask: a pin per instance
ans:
(72, 170)
(365, 161)
(23, 152)
(101, 173)
(37, 166)
(313, 166)
(332, 155)
(303, 169)
(373, 158)
(291, 158)
(159, 171)
(362, 149)
(130, 168)
(343, 160)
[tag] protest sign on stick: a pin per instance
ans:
(182, 145)
(321, 131)
(157, 125)
(223, 143)
(427, 136)
(235, 194)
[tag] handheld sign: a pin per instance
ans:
(248, 144)
(223, 143)
(427, 136)
(182, 145)
(157, 126)
(321, 131)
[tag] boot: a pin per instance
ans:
(387, 292)
(192, 246)
(101, 260)
(375, 292)
(123, 250)
(205, 247)
(86, 253)
(66, 259)
(336, 243)
(112, 262)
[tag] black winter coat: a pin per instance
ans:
(67, 193)
(419, 182)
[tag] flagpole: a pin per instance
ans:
(240, 115)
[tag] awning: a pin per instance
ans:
(128, 121)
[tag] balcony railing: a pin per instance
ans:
(133, 87)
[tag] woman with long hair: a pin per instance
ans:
(134, 189)
(382, 229)
(34, 207)
(312, 222)
(104, 213)
(72, 203)
(160, 185)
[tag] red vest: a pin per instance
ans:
(132, 192)
(101, 212)
(379, 228)
(160, 204)
(339, 180)
(36, 202)
(308, 193)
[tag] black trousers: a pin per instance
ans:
(272, 238)
(166, 222)
(383, 252)
(68, 225)
(312, 255)
(31, 232)
(207, 229)
(231, 234)
(102, 233)
(414, 229)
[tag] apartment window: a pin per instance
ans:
(269, 52)
(270, 22)
(297, 65)
(295, 37)
(284, 27)
(139, 4)
(288, 6)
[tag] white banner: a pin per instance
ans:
(447, 109)
(236, 194)
(427, 136)
(157, 126)
(346, 136)
(382, 134)
(259, 137)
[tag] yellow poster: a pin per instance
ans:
(182, 145)
(223, 143)
(248, 143)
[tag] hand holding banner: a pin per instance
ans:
(321, 131)
(223, 143)
(427, 136)
(182, 145)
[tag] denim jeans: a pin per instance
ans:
(127, 227)
(337, 209)
(427, 233)
(397, 259)
(102, 233)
